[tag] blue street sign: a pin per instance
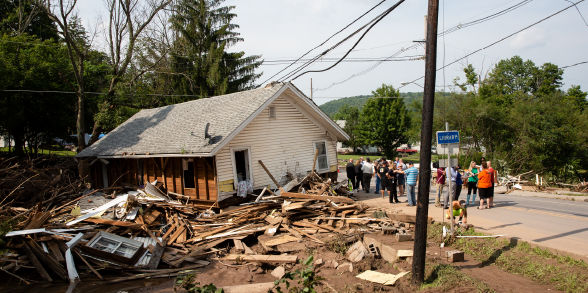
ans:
(446, 137)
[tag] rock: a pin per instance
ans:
(279, 272)
(455, 255)
(356, 252)
(346, 266)
(318, 262)
(332, 264)
(403, 237)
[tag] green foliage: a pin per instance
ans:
(351, 117)
(384, 121)
(19, 17)
(447, 277)
(187, 283)
(205, 32)
(301, 280)
(333, 107)
(27, 63)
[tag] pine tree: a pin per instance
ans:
(204, 32)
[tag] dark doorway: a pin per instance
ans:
(242, 165)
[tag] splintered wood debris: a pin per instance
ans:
(123, 235)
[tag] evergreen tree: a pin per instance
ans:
(204, 33)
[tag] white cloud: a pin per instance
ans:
(528, 39)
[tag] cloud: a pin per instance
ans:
(529, 39)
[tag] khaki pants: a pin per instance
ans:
(439, 192)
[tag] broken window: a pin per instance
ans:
(321, 160)
(115, 244)
(188, 165)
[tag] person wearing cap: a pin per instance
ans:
(458, 209)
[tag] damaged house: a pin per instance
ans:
(206, 149)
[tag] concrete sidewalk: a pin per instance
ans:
(566, 232)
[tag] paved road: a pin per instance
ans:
(555, 223)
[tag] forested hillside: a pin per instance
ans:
(333, 107)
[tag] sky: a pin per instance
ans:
(286, 29)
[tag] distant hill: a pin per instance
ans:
(333, 107)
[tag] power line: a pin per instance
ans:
(579, 12)
(575, 64)
(357, 42)
(502, 39)
(306, 64)
(333, 35)
(91, 93)
(414, 46)
(445, 32)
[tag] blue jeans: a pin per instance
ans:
(378, 180)
(411, 194)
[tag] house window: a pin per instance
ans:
(188, 166)
(115, 244)
(321, 161)
(272, 112)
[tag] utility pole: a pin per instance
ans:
(449, 186)
(424, 185)
(311, 88)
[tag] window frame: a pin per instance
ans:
(326, 156)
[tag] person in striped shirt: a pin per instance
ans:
(412, 175)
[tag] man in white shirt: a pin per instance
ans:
(368, 172)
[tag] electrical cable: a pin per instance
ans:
(333, 35)
(579, 12)
(448, 31)
(500, 40)
(306, 64)
(356, 43)
(575, 64)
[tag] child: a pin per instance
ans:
(458, 210)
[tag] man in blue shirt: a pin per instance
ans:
(412, 175)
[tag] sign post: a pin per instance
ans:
(447, 139)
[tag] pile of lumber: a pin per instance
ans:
(129, 236)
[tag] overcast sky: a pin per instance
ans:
(286, 29)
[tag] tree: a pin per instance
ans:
(19, 17)
(384, 121)
(205, 68)
(26, 64)
(351, 116)
(578, 97)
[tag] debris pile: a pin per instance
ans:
(119, 235)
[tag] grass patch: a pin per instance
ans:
(63, 153)
(518, 257)
(574, 194)
(447, 277)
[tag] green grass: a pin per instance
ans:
(518, 257)
(447, 278)
(64, 153)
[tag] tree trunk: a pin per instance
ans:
(80, 121)
(18, 144)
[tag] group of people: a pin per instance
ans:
(391, 176)
(478, 179)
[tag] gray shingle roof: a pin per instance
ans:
(179, 128)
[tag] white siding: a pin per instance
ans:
(284, 144)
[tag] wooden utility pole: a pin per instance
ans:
(311, 88)
(424, 185)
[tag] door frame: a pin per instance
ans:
(248, 165)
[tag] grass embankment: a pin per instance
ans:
(63, 153)
(518, 257)
(446, 278)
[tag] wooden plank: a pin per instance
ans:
(206, 176)
(175, 235)
(263, 258)
(113, 223)
(38, 266)
(88, 264)
(279, 240)
(326, 198)
(407, 218)
(196, 183)
(271, 176)
(46, 259)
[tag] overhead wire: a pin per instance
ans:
(357, 42)
(442, 34)
(325, 41)
(499, 40)
(288, 75)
